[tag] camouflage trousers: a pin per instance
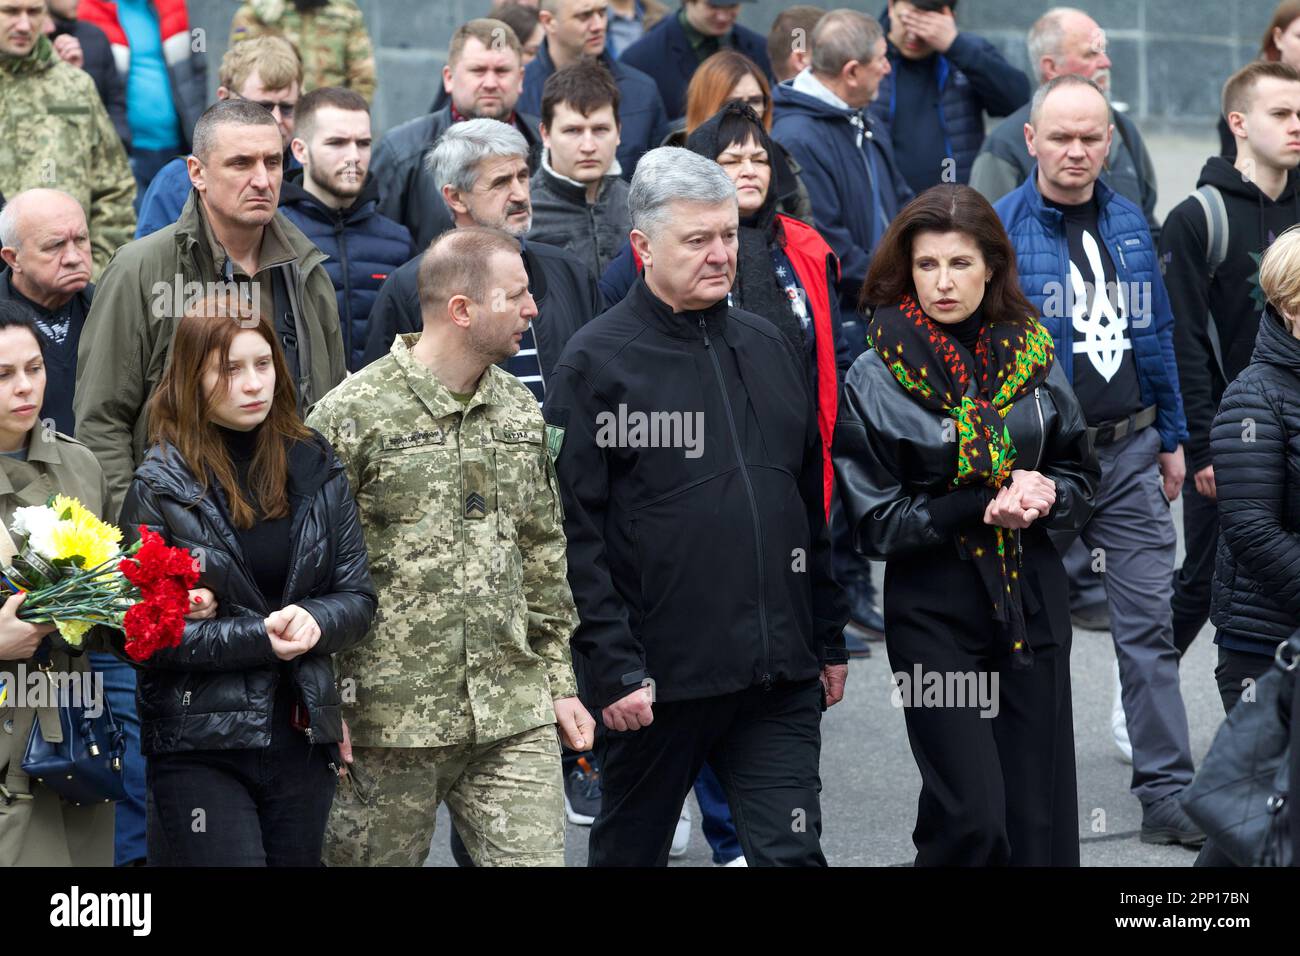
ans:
(506, 799)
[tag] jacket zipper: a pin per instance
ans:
(753, 507)
(340, 232)
(1042, 430)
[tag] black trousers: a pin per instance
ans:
(264, 807)
(994, 790)
(1192, 583)
(763, 745)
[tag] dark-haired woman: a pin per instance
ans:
(959, 443)
(242, 720)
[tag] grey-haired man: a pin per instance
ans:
(689, 464)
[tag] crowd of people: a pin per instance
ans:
(537, 448)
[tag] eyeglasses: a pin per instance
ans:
(286, 109)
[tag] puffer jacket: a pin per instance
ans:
(894, 458)
(1037, 232)
(1255, 445)
(216, 691)
(363, 247)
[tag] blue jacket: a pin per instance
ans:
(1037, 232)
(973, 79)
(824, 142)
(665, 53)
(363, 247)
(643, 122)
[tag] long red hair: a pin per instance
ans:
(180, 413)
(713, 82)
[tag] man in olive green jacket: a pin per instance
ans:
(229, 238)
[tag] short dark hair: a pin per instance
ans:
(228, 113)
(585, 86)
(13, 315)
(802, 17)
(932, 6)
(457, 263)
(1238, 91)
(948, 207)
(318, 99)
(523, 20)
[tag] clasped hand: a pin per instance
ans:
(1030, 496)
(293, 631)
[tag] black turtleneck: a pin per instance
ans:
(967, 331)
(266, 543)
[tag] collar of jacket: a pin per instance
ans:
(40, 450)
(194, 235)
(166, 472)
(1052, 218)
(1274, 343)
(434, 395)
(570, 190)
(441, 121)
(294, 193)
(657, 314)
(41, 58)
(7, 290)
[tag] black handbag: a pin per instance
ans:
(77, 755)
(1239, 797)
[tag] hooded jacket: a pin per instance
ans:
(362, 248)
(128, 335)
(1255, 601)
(562, 217)
(665, 54)
(187, 69)
(680, 551)
(973, 78)
(642, 120)
(1218, 316)
(1037, 233)
(216, 690)
(832, 155)
(563, 288)
(407, 193)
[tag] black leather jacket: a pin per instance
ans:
(893, 457)
(217, 689)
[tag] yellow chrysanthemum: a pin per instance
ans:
(82, 534)
(74, 632)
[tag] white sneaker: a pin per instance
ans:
(1119, 723)
(738, 861)
(682, 835)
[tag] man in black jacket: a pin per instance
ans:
(690, 467)
(1210, 250)
(481, 170)
(483, 77)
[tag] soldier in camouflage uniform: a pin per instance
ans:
(467, 668)
(55, 132)
(330, 36)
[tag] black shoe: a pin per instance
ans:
(582, 794)
(856, 642)
(1165, 823)
(1092, 617)
(867, 623)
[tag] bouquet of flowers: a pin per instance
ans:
(72, 568)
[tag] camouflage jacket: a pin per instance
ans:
(463, 523)
(332, 41)
(56, 134)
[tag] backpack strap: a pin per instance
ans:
(1216, 221)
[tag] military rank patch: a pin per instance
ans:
(475, 505)
(554, 441)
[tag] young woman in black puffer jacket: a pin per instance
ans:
(1255, 444)
(241, 722)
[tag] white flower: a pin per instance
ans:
(37, 524)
